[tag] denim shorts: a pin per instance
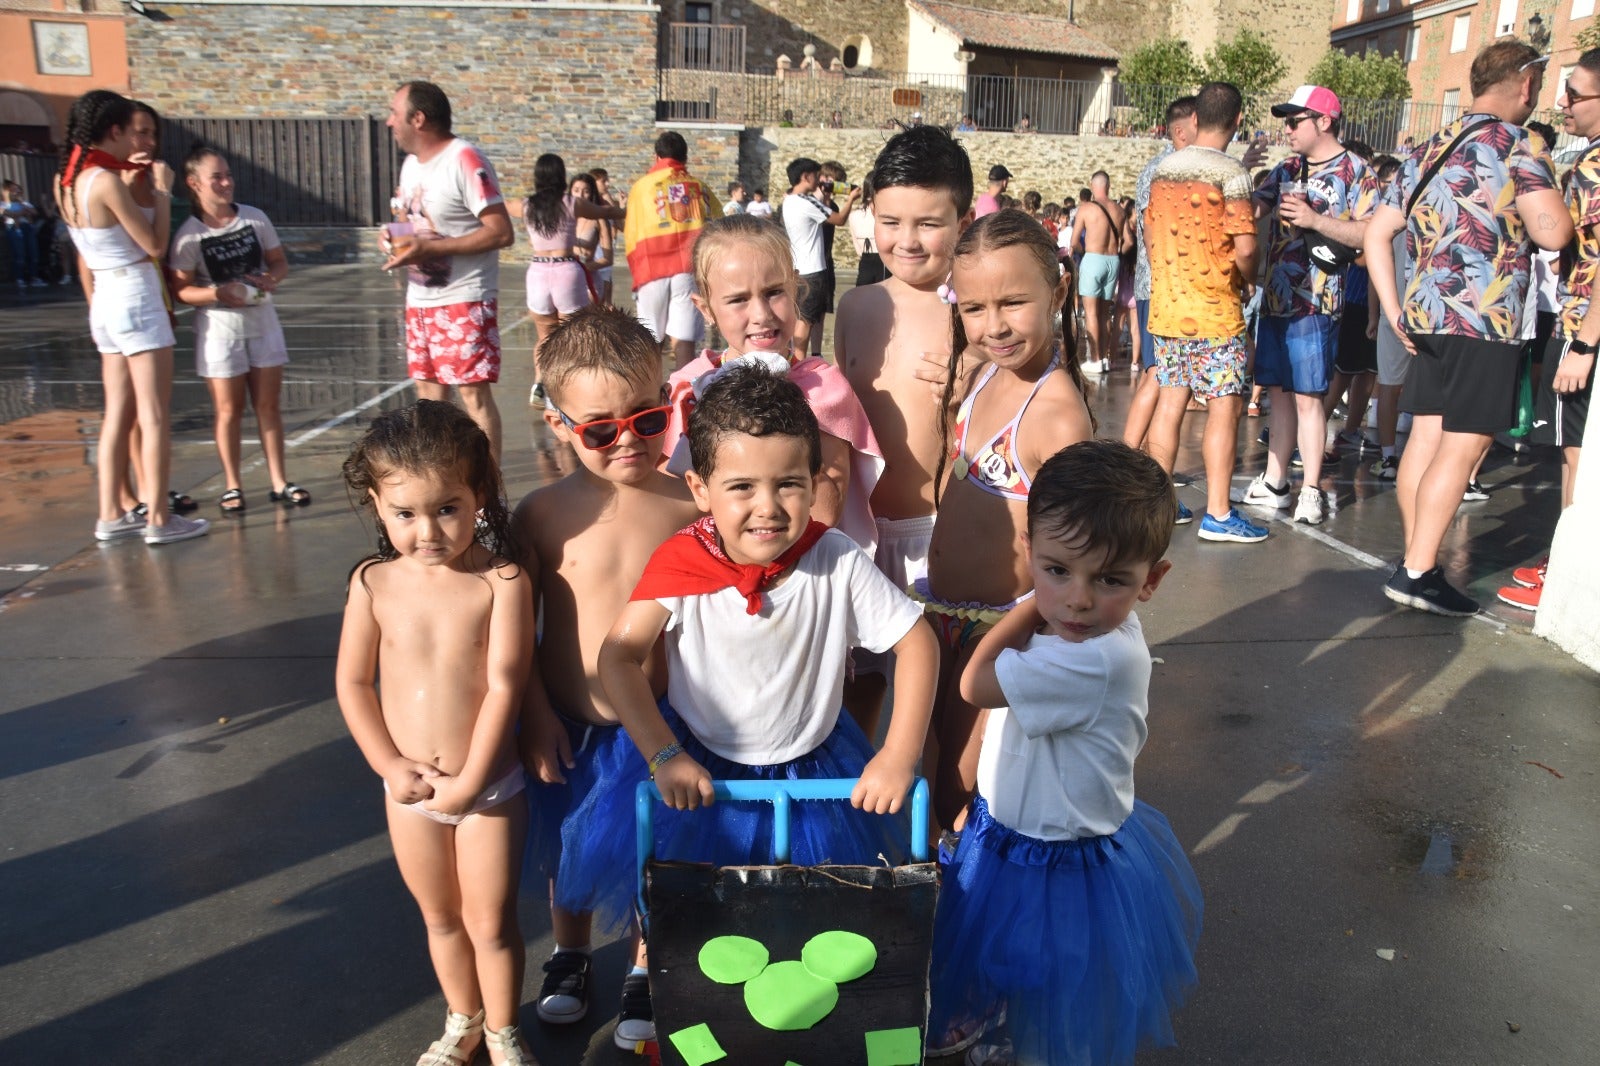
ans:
(1296, 354)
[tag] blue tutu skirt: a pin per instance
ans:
(597, 838)
(597, 751)
(1089, 944)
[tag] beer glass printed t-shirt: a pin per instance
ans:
(1472, 261)
(1341, 186)
(1199, 202)
(445, 195)
(230, 253)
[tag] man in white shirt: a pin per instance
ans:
(455, 223)
(804, 216)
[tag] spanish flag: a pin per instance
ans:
(666, 209)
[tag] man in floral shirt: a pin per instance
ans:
(1466, 311)
(1319, 197)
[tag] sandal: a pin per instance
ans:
(1253, 410)
(232, 501)
(180, 503)
(291, 495)
(506, 1047)
(458, 1030)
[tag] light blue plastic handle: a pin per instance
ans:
(781, 795)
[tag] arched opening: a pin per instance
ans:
(24, 123)
(857, 52)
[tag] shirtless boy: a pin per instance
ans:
(1099, 226)
(891, 340)
(589, 536)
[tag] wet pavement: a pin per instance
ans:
(1393, 816)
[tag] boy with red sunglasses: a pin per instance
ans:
(589, 536)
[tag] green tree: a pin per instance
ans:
(1588, 37)
(1250, 62)
(1368, 77)
(1154, 74)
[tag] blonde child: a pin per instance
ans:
(890, 340)
(586, 539)
(1021, 401)
(1069, 901)
(745, 282)
(226, 263)
(759, 604)
(447, 619)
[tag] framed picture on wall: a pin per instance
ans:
(61, 48)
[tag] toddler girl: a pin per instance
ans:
(454, 621)
(1021, 402)
(745, 283)
(1069, 904)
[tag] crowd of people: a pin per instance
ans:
(749, 549)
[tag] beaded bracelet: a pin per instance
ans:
(671, 751)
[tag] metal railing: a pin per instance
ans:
(702, 46)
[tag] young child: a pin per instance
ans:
(1069, 901)
(759, 206)
(760, 605)
(745, 282)
(886, 338)
(586, 540)
(226, 263)
(447, 619)
(1021, 402)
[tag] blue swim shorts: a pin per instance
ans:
(1296, 354)
(1097, 276)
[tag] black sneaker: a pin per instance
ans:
(1430, 592)
(1475, 493)
(564, 996)
(637, 1022)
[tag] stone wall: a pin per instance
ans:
(578, 80)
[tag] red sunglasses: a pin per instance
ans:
(602, 433)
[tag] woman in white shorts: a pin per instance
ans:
(121, 244)
(227, 260)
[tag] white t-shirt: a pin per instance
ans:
(446, 195)
(766, 688)
(803, 218)
(733, 207)
(230, 253)
(1057, 763)
(759, 208)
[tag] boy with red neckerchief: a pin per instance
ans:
(760, 606)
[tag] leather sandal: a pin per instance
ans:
(459, 1044)
(506, 1047)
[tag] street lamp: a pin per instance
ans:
(1538, 33)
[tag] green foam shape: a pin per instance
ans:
(786, 996)
(732, 960)
(839, 956)
(697, 1045)
(895, 1047)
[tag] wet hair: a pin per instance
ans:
(925, 157)
(1217, 104)
(1006, 229)
(753, 230)
(606, 340)
(1180, 109)
(1031, 201)
(1499, 63)
(544, 209)
(1104, 494)
(799, 168)
(428, 98)
(671, 145)
(92, 118)
(753, 401)
(430, 437)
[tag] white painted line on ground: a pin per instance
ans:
(345, 416)
(24, 568)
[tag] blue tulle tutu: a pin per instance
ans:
(597, 752)
(597, 838)
(1089, 944)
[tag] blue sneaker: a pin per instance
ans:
(1234, 529)
(1185, 516)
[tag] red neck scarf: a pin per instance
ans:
(692, 563)
(83, 159)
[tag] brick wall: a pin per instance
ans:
(579, 80)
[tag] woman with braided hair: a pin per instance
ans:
(121, 243)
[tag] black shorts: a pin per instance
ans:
(815, 297)
(1559, 420)
(1469, 382)
(870, 270)
(1358, 353)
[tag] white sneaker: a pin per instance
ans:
(1260, 494)
(1090, 368)
(39, 283)
(1310, 508)
(177, 528)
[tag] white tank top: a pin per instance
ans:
(112, 246)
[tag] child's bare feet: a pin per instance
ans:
(458, 1045)
(507, 1049)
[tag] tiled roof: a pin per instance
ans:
(1005, 29)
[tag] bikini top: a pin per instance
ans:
(995, 468)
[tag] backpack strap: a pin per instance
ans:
(1440, 160)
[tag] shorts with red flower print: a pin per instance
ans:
(1207, 366)
(454, 344)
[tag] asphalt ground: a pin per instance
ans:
(193, 862)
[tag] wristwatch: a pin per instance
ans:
(1577, 347)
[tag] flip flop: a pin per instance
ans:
(291, 495)
(232, 501)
